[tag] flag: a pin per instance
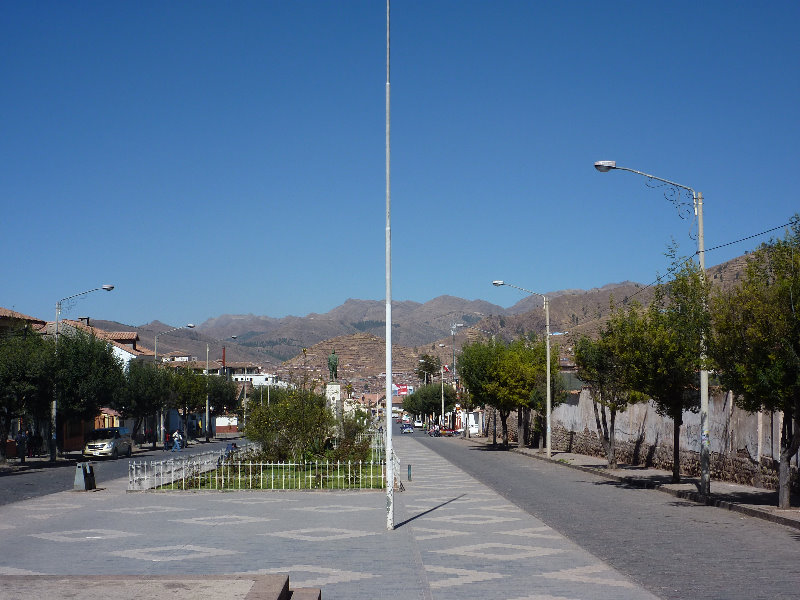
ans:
(446, 370)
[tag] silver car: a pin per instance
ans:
(109, 441)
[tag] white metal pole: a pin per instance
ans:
(547, 333)
(388, 409)
(705, 434)
(206, 421)
(442, 376)
(54, 406)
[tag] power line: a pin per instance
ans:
(683, 259)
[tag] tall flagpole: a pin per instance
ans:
(388, 404)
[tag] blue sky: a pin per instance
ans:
(210, 158)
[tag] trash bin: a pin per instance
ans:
(84, 477)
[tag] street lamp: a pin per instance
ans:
(232, 337)
(604, 166)
(155, 362)
(54, 407)
(498, 283)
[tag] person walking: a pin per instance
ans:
(176, 441)
(21, 441)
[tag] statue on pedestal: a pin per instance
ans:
(333, 365)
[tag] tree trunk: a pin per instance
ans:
(612, 439)
(504, 424)
(790, 443)
(602, 428)
(677, 421)
(5, 427)
(520, 437)
(526, 426)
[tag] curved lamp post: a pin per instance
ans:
(697, 201)
(498, 283)
(54, 407)
(155, 362)
(208, 347)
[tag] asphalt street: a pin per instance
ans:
(40, 477)
(673, 548)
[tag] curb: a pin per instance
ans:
(683, 494)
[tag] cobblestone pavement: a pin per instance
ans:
(454, 537)
(675, 548)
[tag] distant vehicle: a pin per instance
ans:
(406, 428)
(417, 423)
(445, 432)
(109, 441)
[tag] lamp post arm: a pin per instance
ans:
(649, 176)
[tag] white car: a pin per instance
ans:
(417, 423)
(109, 441)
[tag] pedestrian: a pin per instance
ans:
(29, 442)
(21, 441)
(176, 441)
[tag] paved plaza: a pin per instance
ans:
(454, 537)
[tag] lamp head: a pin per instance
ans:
(604, 166)
(190, 325)
(233, 337)
(108, 287)
(498, 282)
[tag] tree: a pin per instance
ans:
(757, 342)
(538, 400)
(428, 367)
(145, 388)
(88, 375)
(427, 400)
(296, 425)
(222, 394)
(515, 375)
(602, 369)
(666, 346)
(26, 388)
(188, 392)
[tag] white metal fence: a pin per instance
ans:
(218, 471)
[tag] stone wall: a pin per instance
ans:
(724, 467)
(744, 446)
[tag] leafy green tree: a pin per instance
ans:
(222, 394)
(427, 400)
(188, 392)
(88, 375)
(145, 389)
(515, 375)
(428, 368)
(757, 342)
(475, 366)
(664, 357)
(602, 369)
(538, 400)
(296, 425)
(354, 441)
(26, 387)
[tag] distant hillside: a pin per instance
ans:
(356, 329)
(413, 324)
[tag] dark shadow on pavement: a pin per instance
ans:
(430, 510)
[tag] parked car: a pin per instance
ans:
(418, 423)
(406, 428)
(109, 441)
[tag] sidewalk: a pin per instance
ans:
(453, 537)
(752, 501)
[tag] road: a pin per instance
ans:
(675, 549)
(42, 477)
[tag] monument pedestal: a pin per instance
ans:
(333, 394)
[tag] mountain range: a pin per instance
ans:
(416, 327)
